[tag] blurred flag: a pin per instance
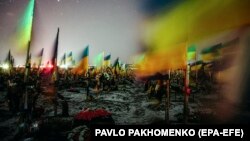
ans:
(107, 60)
(98, 60)
(116, 63)
(73, 62)
(187, 22)
(54, 58)
(123, 66)
(194, 66)
(8, 58)
(63, 60)
(82, 68)
(162, 60)
(191, 53)
(69, 57)
(40, 58)
(24, 28)
(211, 53)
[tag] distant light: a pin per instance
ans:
(35, 125)
(64, 66)
(58, 0)
(50, 66)
(5, 66)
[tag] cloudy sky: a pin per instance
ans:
(112, 26)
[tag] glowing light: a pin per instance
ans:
(98, 60)
(5, 66)
(50, 66)
(64, 66)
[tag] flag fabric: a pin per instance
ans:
(54, 58)
(8, 58)
(70, 58)
(191, 53)
(184, 24)
(40, 58)
(194, 66)
(116, 62)
(98, 60)
(85, 52)
(63, 60)
(12, 61)
(162, 60)
(24, 28)
(82, 68)
(138, 58)
(108, 57)
(107, 60)
(73, 62)
(123, 66)
(199, 62)
(211, 53)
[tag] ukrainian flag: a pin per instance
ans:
(84, 63)
(70, 57)
(116, 62)
(211, 53)
(63, 60)
(107, 59)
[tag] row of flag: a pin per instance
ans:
(182, 55)
(100, 61)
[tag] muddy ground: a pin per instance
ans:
(129, 105)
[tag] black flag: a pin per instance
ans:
(54, 59)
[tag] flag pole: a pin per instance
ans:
(27, 64)
(186, 91)
(167, 99)
(186, 94)
(40, 62)
(55, 71)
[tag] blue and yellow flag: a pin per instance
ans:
(211, 53)
(116, 62)
(107, 59)
(84, 63)
(63, 60)
(70, 57)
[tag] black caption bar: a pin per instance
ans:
(199, 132)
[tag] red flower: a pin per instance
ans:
(91, 114)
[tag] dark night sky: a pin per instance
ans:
(112, 26)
